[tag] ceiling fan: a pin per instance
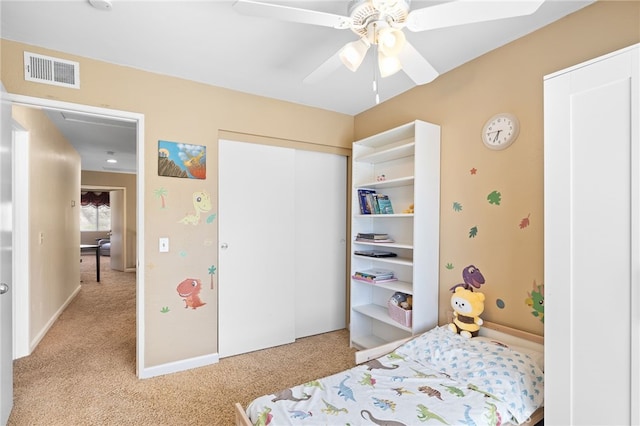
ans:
(380, 24)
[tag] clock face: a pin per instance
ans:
(500, 131)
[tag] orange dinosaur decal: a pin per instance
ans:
(189, 290)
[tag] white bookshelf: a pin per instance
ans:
(409, 158)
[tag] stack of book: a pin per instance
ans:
(375, 275)
(373, 238)
(374, 203)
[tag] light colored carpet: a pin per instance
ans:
(83, 371)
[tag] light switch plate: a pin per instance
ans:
(164, 245)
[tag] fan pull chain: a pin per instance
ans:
(375, 78)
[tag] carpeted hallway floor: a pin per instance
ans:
(83, 371)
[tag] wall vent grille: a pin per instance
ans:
(49, 70)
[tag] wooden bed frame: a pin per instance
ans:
(488, 329)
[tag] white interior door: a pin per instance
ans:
(6, 261)
(256, 253)
(118, 229)
(592, 188)
(320, 262)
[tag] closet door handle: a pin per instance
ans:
(3, 288)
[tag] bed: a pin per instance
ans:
(438, 377)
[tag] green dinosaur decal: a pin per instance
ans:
(453, 390)
(394, 355)
(419, 374)
(314, 384)
(425, 415)
(485, 393)
(493, 417)
(494, 198)
(536, 301)
(332, 409)
(264, 418)
(367, 380)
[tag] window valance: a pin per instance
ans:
(94, 198)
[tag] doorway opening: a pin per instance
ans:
(23, 342)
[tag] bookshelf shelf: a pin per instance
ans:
(380, 313)
(404, 164)
(380, 155)
(387, 260)
(384, 216)
(388, 183)
(402, 286)
(386, 245)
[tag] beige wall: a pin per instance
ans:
(120, 180)
(54, 181)
(193, 113)
(509, 79)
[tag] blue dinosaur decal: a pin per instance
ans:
(345, 391)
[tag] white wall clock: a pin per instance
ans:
(500, 131)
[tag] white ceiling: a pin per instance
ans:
(209, 42)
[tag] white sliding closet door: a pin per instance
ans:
(257, 246)
(320, 267)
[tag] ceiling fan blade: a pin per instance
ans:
(416, 66)
(327, 68)
(292, 14)
(467, 12)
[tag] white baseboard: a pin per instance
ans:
(177, 366)
(52, 320)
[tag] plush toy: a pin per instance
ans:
(405, 301)
(467, 306)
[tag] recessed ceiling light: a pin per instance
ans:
(111, 159)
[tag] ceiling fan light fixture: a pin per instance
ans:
(388, 65)
(391, 41)
(352, 54)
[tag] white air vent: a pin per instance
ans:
(48, 70)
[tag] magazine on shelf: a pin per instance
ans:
(372, 280)
(375, 253)
(375, 273)
(384, 204)
(367, 240)
(373, 236)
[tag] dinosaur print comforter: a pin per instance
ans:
(437, 378)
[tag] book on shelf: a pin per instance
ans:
(374, 280)
(373, 238)
(384, 204)
(365, 199)
(368, 240)
(374, 274)
(373, 203)
(374, 253)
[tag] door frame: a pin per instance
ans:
(138, 118)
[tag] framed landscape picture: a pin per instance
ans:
(182, 160)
